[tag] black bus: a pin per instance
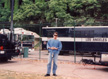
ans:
(90, 39)
(87, 39)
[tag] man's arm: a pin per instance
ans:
(60, 46)
(48, 45)
(53, 48)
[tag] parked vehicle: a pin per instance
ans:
(8, 49)
(24, 38)
(85, 39)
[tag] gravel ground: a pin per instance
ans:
(6, 74)
(9, 71)
(33, 68)
(36, 69)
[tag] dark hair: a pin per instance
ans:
(56, 33)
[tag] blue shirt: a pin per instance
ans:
(54, 43)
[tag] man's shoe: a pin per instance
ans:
(47, 75)
(54, 75)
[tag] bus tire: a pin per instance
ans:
(63, 52)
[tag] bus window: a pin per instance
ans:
(87, 34)
(78, 33)
(50, 33)
(63, 32)
(104, 35)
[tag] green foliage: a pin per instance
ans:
(16, 3)
(6, 2)
(30, 11)
(1, 1)
(104, 9)
(57, 9)
(4, 14)
(84, 8)
(67, 11)
(39, 1)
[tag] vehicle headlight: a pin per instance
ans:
(16, 48)
(2, 52)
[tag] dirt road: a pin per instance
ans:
(36, 69)
(33, 68)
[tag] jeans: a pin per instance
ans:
(52, 56)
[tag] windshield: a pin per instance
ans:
(28, 38)
(25, 38)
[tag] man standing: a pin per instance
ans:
(54, 46)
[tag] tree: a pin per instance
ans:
(104, 9)
(7, 4)
(84, 8)
(57, 9)
(82, 11)
(4, 14)
(16, 3)
(30, 12)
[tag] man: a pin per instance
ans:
(54, 46)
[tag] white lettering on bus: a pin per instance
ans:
(96, 39)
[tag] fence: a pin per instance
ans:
(38, 29)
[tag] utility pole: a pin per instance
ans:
(11, 28)
(56, 19)
(74, 44)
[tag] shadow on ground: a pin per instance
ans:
(7, 62)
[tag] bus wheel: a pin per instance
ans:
(64, 52)
(61, 53)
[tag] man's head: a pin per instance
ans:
(55, 35)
